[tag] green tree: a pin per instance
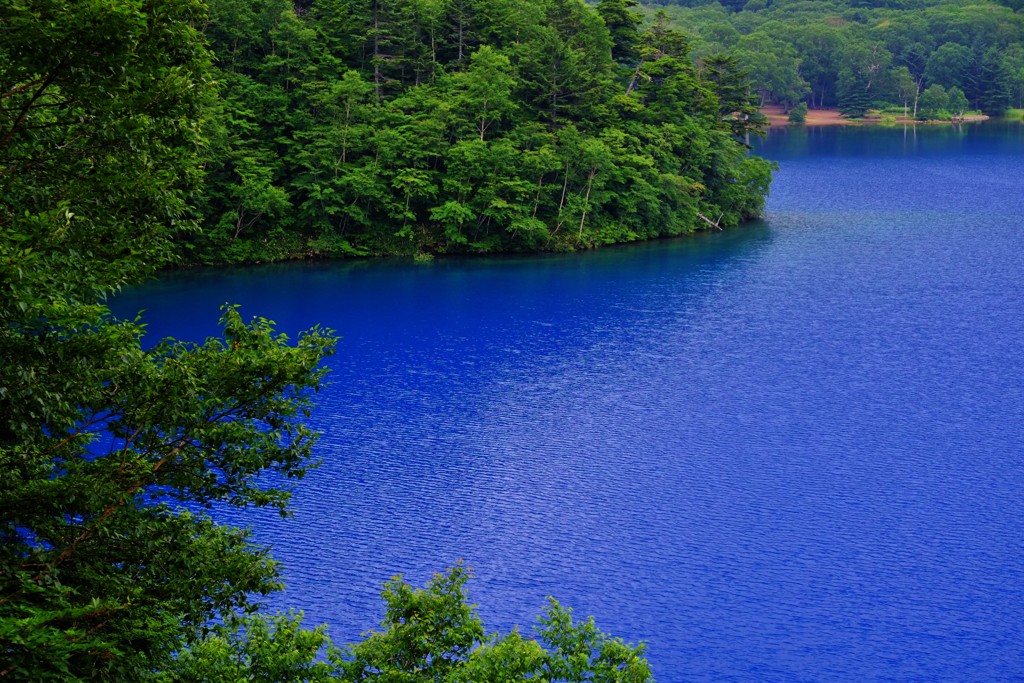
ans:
(567, 64)
(907, 88)
(737, 103)
(362, 128)
(428, 635)
(256, 648)
(99, 124)
(623, 24)
(433, 634)
(103, 573)
(818, 46)
(933, 101)
(863, 76)
(938, 41)
(326, 181)
(798, 114)
(948, 65)
(993, 91)
(956, 102)
(484, 90)
(774, 68)
(1014, 60)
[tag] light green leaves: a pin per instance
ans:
(433, 634)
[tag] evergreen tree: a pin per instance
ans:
(623, 24)
(737, 104)
(994, 93)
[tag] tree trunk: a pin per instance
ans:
(586, 201)
(636, 75)
(561, 202)
(461, 40)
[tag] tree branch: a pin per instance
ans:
(28, 105)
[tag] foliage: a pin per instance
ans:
(256, 648)
(428, 635)
(859, 54)
(956, 102)
(100, 113)
(798, 114)
(433, 634)
(934, 100)
(361, 127)
(108, 450)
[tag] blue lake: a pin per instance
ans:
(793, 451)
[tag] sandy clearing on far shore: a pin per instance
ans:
(777, 116)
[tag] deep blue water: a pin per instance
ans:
(792, 451)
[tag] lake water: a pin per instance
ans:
(792, 451)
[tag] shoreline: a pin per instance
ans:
(777, 116)
(300, 258)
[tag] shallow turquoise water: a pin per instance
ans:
(790, 451)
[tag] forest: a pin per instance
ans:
(922, 58)
(353, 128)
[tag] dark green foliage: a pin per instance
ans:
(352, 128)
(362, 128)
(854, 97)
(99, 122)
(950, 65)
(434, 634)
(993, 91)
(426, 634)
(111, 451)
(737, 103)
(798, 114)
(774, 67)
(623, 23)
(102, 574)
(863, 77)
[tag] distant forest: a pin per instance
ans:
(363, 127)
(928, 56)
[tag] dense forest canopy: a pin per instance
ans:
(924, 56)
(357, 127)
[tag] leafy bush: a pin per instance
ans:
(798, 114)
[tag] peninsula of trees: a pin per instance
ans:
(925, 58)
(361, 127)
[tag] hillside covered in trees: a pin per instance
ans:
(924, 56)
(358, 127)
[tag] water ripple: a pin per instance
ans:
(791, 452)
